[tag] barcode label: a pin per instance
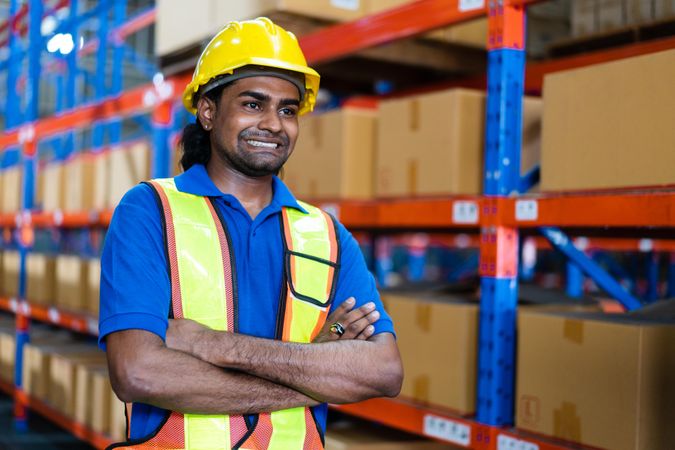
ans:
(352, 5)
(447, 430)
(332, 209)
(508, 443)
(465, 213)
(468, 5)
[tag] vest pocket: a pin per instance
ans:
(310, 279)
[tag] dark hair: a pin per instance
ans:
(195, 141)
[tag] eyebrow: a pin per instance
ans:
(266, 98)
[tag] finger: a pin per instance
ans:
(357, 327)
(357, 314)
(341, 310)
(366, 334)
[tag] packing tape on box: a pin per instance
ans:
(573, 330)
(566, 422)
(423, 317)
(414, 115)
(412, 176)
(421, 388)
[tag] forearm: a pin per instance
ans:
(337, 372)
(180, 382)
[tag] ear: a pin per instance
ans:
(206, 112)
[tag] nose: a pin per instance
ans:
(270, 121)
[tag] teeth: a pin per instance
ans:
(262, 144)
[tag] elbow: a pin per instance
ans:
(392, 378)
(131, 384)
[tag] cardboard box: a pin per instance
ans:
(118, 419)
(10, 273)
(86, 405)
(622, 135)
(52, 186)
(37, 360)
(10, 189)
(7, 355)
(422, 151)
(93, 282)
(359, 436)
(639, 11)
(584, 18)
(62, 376)
(85, 175)
(342, 142)
(611, 14)
(601, 381)
(71, 282)
(212, 15)
(128, 166)
(664, 9)
(101, 396)
(41, 278)
(437, 338)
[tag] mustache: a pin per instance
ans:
(252, 134)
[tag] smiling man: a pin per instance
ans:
(231, 312)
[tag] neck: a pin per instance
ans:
(254, 193)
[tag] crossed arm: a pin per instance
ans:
(199, 370)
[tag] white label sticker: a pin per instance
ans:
(92, 326)
(447, 430)
(508, 443)
(352, 5)
(465, 212)
(646, 245)
(527, 210)
(54, 315)
(468, 5)
(12, 304)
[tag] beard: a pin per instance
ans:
(258, 163)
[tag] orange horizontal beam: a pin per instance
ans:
(142, 98)
(420, 419)
(81, 323)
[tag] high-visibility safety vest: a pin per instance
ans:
(203, 288)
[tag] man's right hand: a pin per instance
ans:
(357, 322)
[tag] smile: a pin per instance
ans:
(262, 144)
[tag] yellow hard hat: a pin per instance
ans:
(256, 42)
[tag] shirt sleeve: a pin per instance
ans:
(354, 280)
(135, 286)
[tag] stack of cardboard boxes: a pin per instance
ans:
(212, 15)
(590, 17)
(72, 378)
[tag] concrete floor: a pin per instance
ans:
(42, 434)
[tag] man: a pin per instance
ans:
(216, 285)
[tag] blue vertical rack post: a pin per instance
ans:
(499, 243)
(27, 199)
(100, 87)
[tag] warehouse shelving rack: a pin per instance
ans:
(499, 214)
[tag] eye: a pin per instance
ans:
(252, 105)
(288, 112)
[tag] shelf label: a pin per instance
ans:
(13, 304)
(92, 326)
(527, 210)
(646, 245)
(54, 315)
(465, 212)
(468, 5)
(352, 5)
(447, 430)
(508, 443)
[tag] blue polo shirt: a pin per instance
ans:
(136, 290)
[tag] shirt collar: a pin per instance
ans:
(196, 181)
